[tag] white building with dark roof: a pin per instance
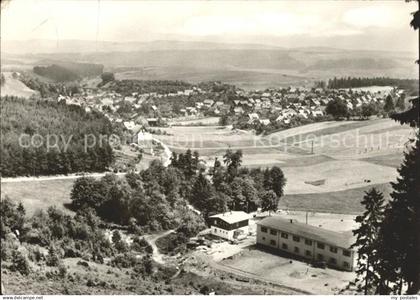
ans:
(311, 243)
(230, 225)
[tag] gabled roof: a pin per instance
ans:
(333, 238)
(232, 216)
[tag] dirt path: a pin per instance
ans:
(167, 151)
(151, 239)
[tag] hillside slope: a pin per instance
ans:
(14, 87)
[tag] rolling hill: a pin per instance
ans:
(246, 65)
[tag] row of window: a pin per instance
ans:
(308, 253)
(308, 242)
(220, 230)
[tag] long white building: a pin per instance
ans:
(311, 243)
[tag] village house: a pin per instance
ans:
(286, 114)
(230, 225)
(315, 102)
(253, 117)
(265, 121)
(208, 102)
(238, 110)
(188, 92)
(129, 125)
(152, 121)
(130, 99)
(317, 113)
(311, 243)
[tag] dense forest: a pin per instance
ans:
(68, 71)
(56, 73)
(42, 137)
(82, 69)
(126, 87)
(353, 82)
(49, 89)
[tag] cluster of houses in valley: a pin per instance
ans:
(288, 237)
(272, 105)
(283, 104)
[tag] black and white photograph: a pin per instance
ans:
(210, 147)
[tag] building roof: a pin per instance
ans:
(232, 216)
(333, 238)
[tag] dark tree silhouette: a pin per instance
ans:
(337, 108)
(367, 239)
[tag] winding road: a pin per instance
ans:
(151, 239)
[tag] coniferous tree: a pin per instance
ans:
(400, 103)
(366, 243)
(410, 116)
(201, 193)
(233, 161)
(400, 232)
(278, 180)
(389, 104)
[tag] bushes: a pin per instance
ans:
(141, 245)
(62, 270)
(119, 243)
(8, 246)
(145, 266)
(68, 236)
(53, 258)
(171, 243)
(35, 253)
(12, 217)
(20, 263)
(125, 260)
(191, 224)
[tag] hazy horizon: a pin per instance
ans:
(354, 25)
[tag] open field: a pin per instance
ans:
(393, 160)
(373, 89)
(347, 201)
(343, 155)
(336, 176)
(39, 194)
(202, 121)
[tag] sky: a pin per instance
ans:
(357, 23)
